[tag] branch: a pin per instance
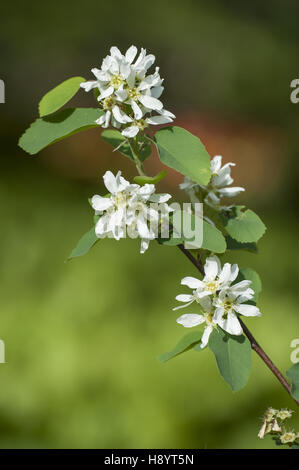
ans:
(254, 344)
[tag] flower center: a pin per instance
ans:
(141, 124)
(120, 199)
(133, 93)
(116, 81)
(212, 286)
(228, 305)
(108, 103)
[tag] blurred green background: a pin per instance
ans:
(82, 337)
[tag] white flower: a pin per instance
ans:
(193, 319)
(214, 279)
(230, 302)
(218, 186)
(127, 93)
(288, 437)
(284, 414)
(127, 210)
(221, 301)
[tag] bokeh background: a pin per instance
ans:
(82, 337)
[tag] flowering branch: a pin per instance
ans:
(254, 344)
(127, 103)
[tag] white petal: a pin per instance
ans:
(225, 274)
(232, 325)
(115, 52)
(190, 319)
(157, 120)
(146, 191)
(218, 314)
(191, 282)
(212, 268)
(206, 335)
(125, 70)
(157, 91)
(211, 198)
(231, 192)
(121, 94)
(144, 245)
(101, 120)
(216, 164)
(89, 85)
(100, 203)
(142, 227)
(131, 79)
(101, 75)
(160, 198)
(131, 131)
(184, 297)
(131, 54)
(164, 112)
(206, 304)
(136, 109)
(107, 119)
(247, 310)
(234, 272)
(185, 305)
(240, 287)
(101, 226)
(110, 182)
(148, 61)
(150, 102)
(120, 116)
(105, 93)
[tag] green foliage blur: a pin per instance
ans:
(82, 337)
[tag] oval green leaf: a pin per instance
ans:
(50, 129)
(183, 151)
(84, 244)
(245, 227)
(59, 96)
(187, 342)
(293, 374)
(233, 357)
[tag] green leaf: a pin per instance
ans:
(213, 240)
(183, 151)
(293, 374)
(234, 245)
(233, 357)
(84, 244)
(59, 95)
(251, 275)
(50, 129)
(150, 179)
(245, 227)
(119, 142)
(187, 342)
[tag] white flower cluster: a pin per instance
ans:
(218, 186)
(127, 94)
(273, 424)
(220, 300)
(127, 210)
